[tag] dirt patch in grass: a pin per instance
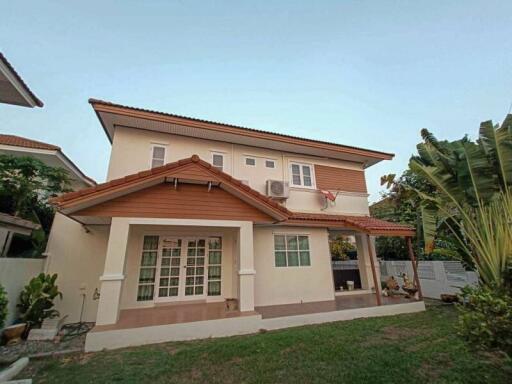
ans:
(393, 333)
(432, 370)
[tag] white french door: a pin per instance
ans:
(180, 268)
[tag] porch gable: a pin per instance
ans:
(186, 201)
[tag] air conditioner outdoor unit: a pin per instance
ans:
(278, 189)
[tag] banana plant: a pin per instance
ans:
(471, 179)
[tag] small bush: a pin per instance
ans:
(3, 306)
(486, 318)
(36, 300)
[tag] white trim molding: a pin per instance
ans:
(112, 277)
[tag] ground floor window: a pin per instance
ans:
(291, 250)
(147, 272)
(214, 266)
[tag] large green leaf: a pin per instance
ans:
(497, 145)
(429, 214)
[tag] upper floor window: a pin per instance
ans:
(250, 161)
(302, 175)
(157, 156)
(270, 163)
(218, 160)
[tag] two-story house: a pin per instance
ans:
(207, 229)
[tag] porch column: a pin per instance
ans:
(113, 273)
(376, 277)
(365, 247)
(246, 272)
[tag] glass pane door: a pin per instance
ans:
(194, 279)
(170, 268)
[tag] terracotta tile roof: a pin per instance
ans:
(117, 184)
(23, 142)
(365, 223)
(37, 101)
(379, 154)
(19, 141)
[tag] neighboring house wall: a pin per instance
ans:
(78, 257)
(287, 285)
(14, 275)
(136, 145)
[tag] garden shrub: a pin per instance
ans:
(36, 299)
(486, 318)
(3, 306)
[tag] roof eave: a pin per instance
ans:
(100, 106)
(17, 82)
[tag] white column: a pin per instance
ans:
(246, 272)
(363, 259)
(113, 273)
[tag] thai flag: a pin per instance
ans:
(328, 195)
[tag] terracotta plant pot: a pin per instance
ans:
(231, 304)
(14, 332)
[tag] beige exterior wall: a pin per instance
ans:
(287, 285)
(131, 152)
(78, 257)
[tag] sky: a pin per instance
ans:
(360, 73)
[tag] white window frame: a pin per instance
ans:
(312, 174)
(223, 155)
(151, 153)
(272, 161)
(297, 235)
(251, 158)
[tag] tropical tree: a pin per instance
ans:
(26, 184)
(472, 182)
(402, 204)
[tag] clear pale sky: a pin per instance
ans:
(362, 73)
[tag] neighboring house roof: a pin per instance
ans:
(19, 141)
(13, 90)
(44, 152)
(17, 224)
(186, 169)
(112, 115)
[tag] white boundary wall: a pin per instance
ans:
(436, 277)
(15, 273)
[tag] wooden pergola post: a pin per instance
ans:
(414, 265)
(376, 282)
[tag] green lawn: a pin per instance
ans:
(414, 348)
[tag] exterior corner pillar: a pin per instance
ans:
(246, 273)
(113, 272)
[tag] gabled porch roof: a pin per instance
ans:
(193, 170)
